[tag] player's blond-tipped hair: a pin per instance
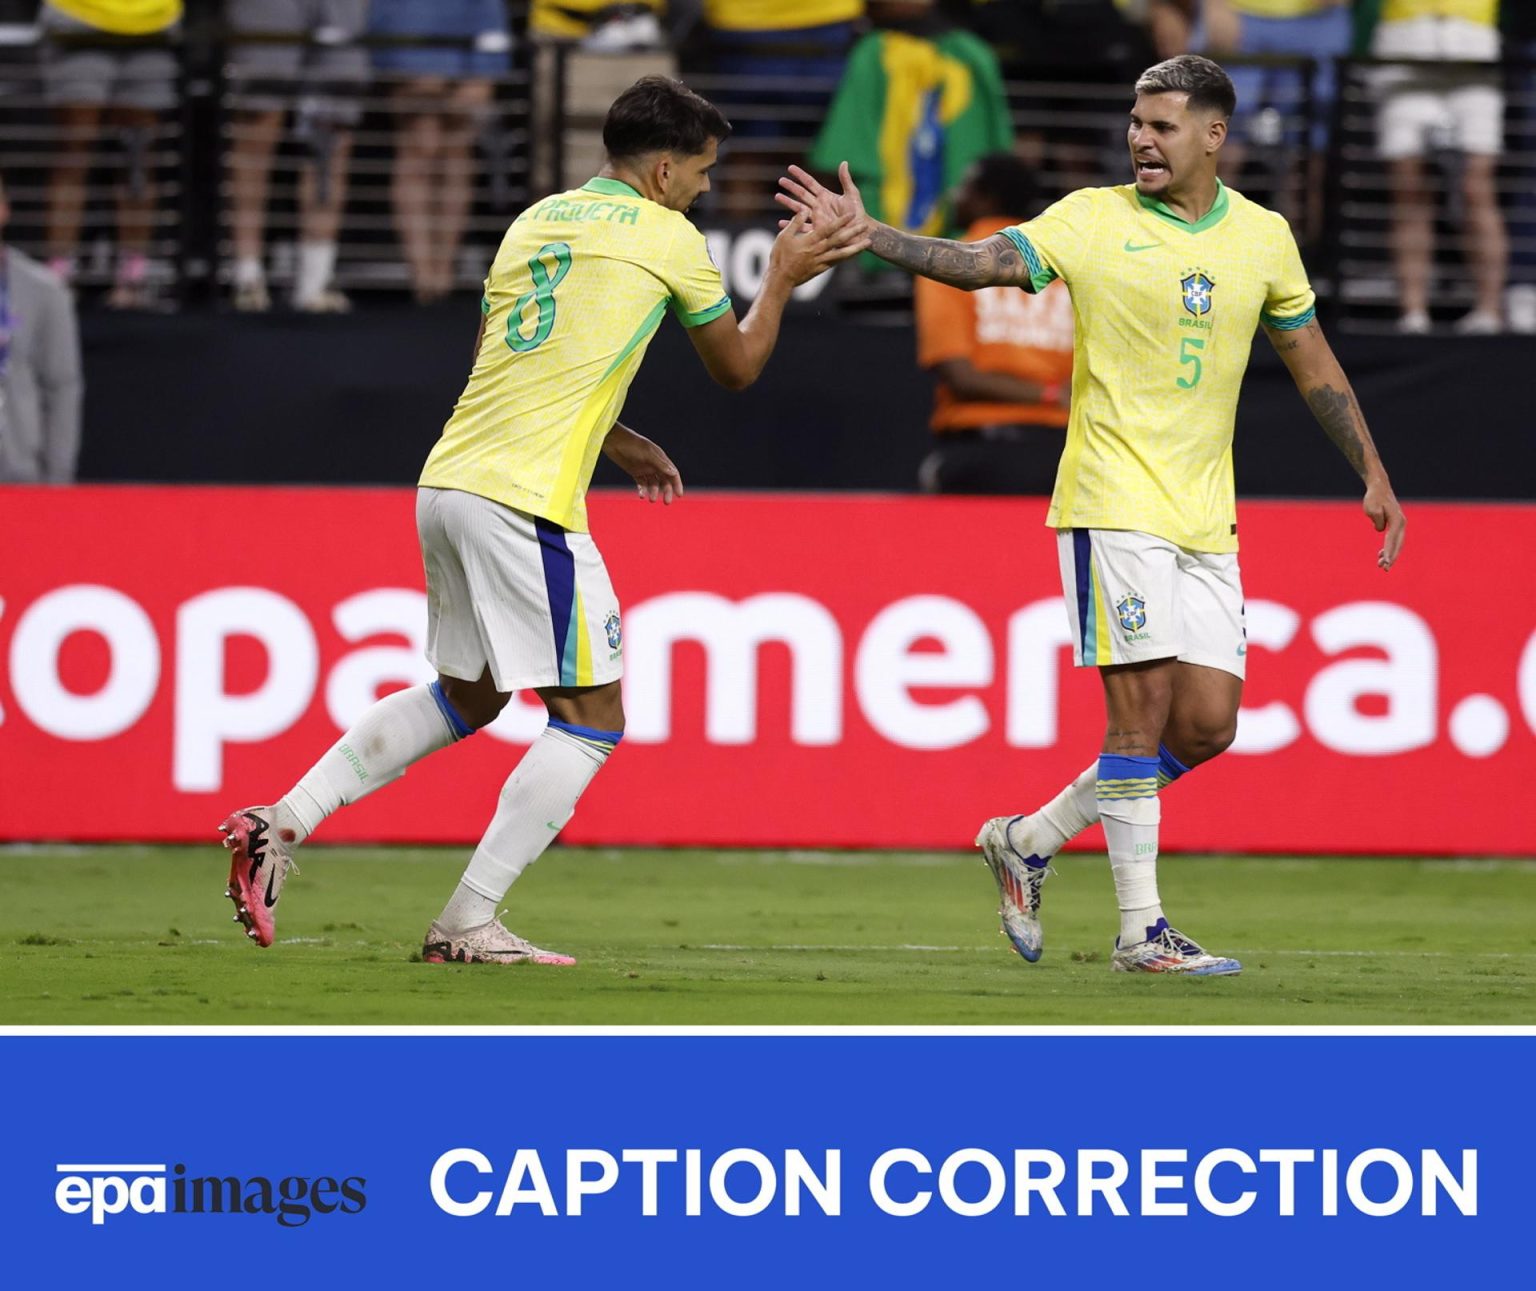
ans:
(1208, 86)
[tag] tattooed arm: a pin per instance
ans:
(968, 265)
(1310, 359)
(992, 263)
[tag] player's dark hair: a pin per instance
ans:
(659, 114)
(1005, 184)
(1207, 85)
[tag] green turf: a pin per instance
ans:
(143, 935)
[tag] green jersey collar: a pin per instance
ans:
(1212, 216)
(618, 188)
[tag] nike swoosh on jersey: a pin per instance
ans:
(1148, 247)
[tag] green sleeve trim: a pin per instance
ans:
(1041, 275)
(702, 316)
(485, 304)
(1288, 324)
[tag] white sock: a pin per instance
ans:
(1077, 806)
(538, 798)
(1130, 811)
(248, 271)
(1069, 813)
(398, 730)
(317, 262)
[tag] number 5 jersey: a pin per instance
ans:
(1165, 313)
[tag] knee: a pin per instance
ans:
(599, 707)
(477, 706)
(601, 717)
(1203, 741)
(612, 713)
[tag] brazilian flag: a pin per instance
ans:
(910, 115)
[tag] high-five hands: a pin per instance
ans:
(809, 244)
(802, 191)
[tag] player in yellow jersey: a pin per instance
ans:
(1170, 277)
(517, 594)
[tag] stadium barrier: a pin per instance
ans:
(287, 399)
(800, 671)
(538, 128)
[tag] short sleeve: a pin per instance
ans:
(698, 291)
(946, 323)
(1052, 243)
(1291, 302)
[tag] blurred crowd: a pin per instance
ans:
(406, 133)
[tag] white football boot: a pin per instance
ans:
(1167, 950)
(490, 943)
(1007, 845)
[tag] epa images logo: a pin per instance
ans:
(104, 1190)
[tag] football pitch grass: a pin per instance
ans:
(133, 935)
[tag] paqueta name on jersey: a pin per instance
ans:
(578, 288)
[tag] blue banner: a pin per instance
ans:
(747, 1161)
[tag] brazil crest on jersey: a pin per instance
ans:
(578, 288)
(1165, 314)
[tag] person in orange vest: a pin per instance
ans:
(1001, 358)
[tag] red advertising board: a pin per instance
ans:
(811, 671)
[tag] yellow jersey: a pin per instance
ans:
(123, 17)
(1165, 313)
(1483, 12)
(572, 19)
(1283, 8)
(779, 15)
(579, 286)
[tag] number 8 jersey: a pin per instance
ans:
(578, 288)
(1165, 315)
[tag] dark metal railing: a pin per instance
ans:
(538, 129)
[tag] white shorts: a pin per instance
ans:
(1133, 597)
(1427, 105)
(516, 592)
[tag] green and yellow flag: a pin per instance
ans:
(909, 116)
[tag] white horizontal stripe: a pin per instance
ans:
(702, 1031)
(112, 1169)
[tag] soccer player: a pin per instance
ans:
(1170, 276)
(517, 594)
